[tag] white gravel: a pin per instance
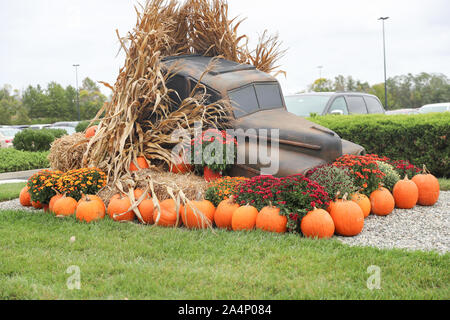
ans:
(421, 228)
(14, 205)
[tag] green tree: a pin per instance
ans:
(405, 91)
(9, 104)
(321, 85)
(35, 102)
(91, 99)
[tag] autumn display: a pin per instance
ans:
(123, 168)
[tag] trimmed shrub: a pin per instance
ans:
(37, 140)
(422, 139)
(82, 126)
(12, 160)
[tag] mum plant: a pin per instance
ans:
(214, 149)
(223, 188)
(75, 183)
(295, 196)
(44, 185)
(404, 167)
(336, 181)
(364, 170)
(391, 176)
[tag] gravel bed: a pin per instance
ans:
(421, 228)
(14, 205)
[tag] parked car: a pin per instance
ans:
(72, 124)
(437, 107)
(21, 127)
(258, 103)
(339, 103)
(39, 126)
(70, 130)
(7, 135)
(402, 111)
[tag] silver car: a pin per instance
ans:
(437, 107)
(7, 135)
(339, 103)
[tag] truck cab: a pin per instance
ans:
(257, 102)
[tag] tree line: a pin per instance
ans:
(51, 104)
(56, 103)
(405, 91)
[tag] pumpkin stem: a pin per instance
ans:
(425, 170)
(199, 196)
(406, 177)
(337, 195)
(345, 197)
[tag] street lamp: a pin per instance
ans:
(320, 71)
(320, 77)
(383, 19)
(78, 92)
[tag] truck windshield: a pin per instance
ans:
(304, 105)
(254, 97)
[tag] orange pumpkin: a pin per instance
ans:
(37, 205)
(118, 209)
(141, 162)
(25, 197)
(244, 218)
(332, 203)
(180, 168)
(348, 218)
(363, 202)
(168, 216)
(224, 213)
(65, 206)
(146, 207)
(92, 197)
(317, 224)
(90, 132)
(382, 202)
(90, 209)
(193, 219)
(269, 219)
(406, 194)
(429, 188)
(53, 201)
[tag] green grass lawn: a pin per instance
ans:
(445, 184)
(119, 261)
(10, 191)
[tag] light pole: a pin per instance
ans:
(383, 19)
(320, 77)
(320, 71)
(78, 91)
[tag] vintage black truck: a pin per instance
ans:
(258, 103)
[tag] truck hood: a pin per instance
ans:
(295, 133)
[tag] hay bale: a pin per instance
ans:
(67, 152)
(190, 184)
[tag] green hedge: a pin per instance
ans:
(37, 140)
(421, 139)
(83, 125)
(12, 160)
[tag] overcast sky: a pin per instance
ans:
(40, 40)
